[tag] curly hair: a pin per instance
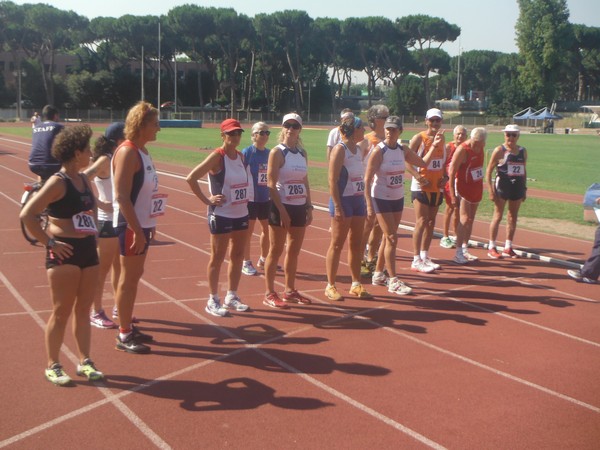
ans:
(138, 117)
(69, 140)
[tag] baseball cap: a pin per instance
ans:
(229, 125)
(292, 116)
(512, 128)
(434, 112)
(115, 131)
(393, 122)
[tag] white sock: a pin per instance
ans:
(424, 254)
(491, 245)
(377, 274)
(213, 297)
(508, 244)
(416, 258)
(355, 283)
(230, 294)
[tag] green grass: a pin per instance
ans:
(560, 163)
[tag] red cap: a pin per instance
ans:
(229, 125)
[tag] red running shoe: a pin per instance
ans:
(272, 300)
(493, 253)
(509, 253)
(295, 297)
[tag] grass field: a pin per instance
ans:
(560, 163)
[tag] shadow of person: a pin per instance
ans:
(228, 395)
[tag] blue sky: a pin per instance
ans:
(485, 24)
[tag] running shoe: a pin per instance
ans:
(295, 297)
(100, 320)
(494, 254)
(509, 253)
(88, 369)
(332, 294)
(578, 276)
(56, 375)
(235, 303)
(215, 308)
(272, 300)
(364, 269)
(379, 280)
(131, 345)
(141, 337)
(446, 242)
(453, 239)
(398, 287)
(420, 266)
(115, 315)
(248, 268)
(260, 264)
(430, 262)
(460, 258)
(359, 291)
(470, 257)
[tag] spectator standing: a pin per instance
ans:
(41, 161)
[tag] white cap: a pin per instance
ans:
(434, 112)
(512, 128)
(292, 116)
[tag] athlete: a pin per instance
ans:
(291, 211)
(447, 241)
(509, 186)
(71, 257)
(427, 188)
(466, 178)
(256, 158)
(347, 207)
(384, 194)
(230, 186)
(136, 205)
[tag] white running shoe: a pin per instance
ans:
(446, 242)
(398, 287)
(430, 262)
(470, 257)
(421, 266)
(215, 308)
(248, 269)
(235, 303)
(379, 280)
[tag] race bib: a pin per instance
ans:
(358, 185)
(158, 205)
(435, 165)
(477, 173)
(84, 223)
(294, 190)
(394, 180)
(516, 169)
(239, 194)
(262, 177)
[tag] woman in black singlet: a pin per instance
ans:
(71, 257)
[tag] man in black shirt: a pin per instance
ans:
(41, 161)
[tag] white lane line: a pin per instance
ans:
(125, 410)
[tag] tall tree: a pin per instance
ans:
(545, 39)
(426, 35)
(55, 31)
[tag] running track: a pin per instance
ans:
(496, 355)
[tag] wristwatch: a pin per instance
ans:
(51, 243)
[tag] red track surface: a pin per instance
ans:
(498, 354)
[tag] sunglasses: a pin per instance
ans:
(511, 134)
(234, 133)
(435, 119)
(295, 125)
(264, 133)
